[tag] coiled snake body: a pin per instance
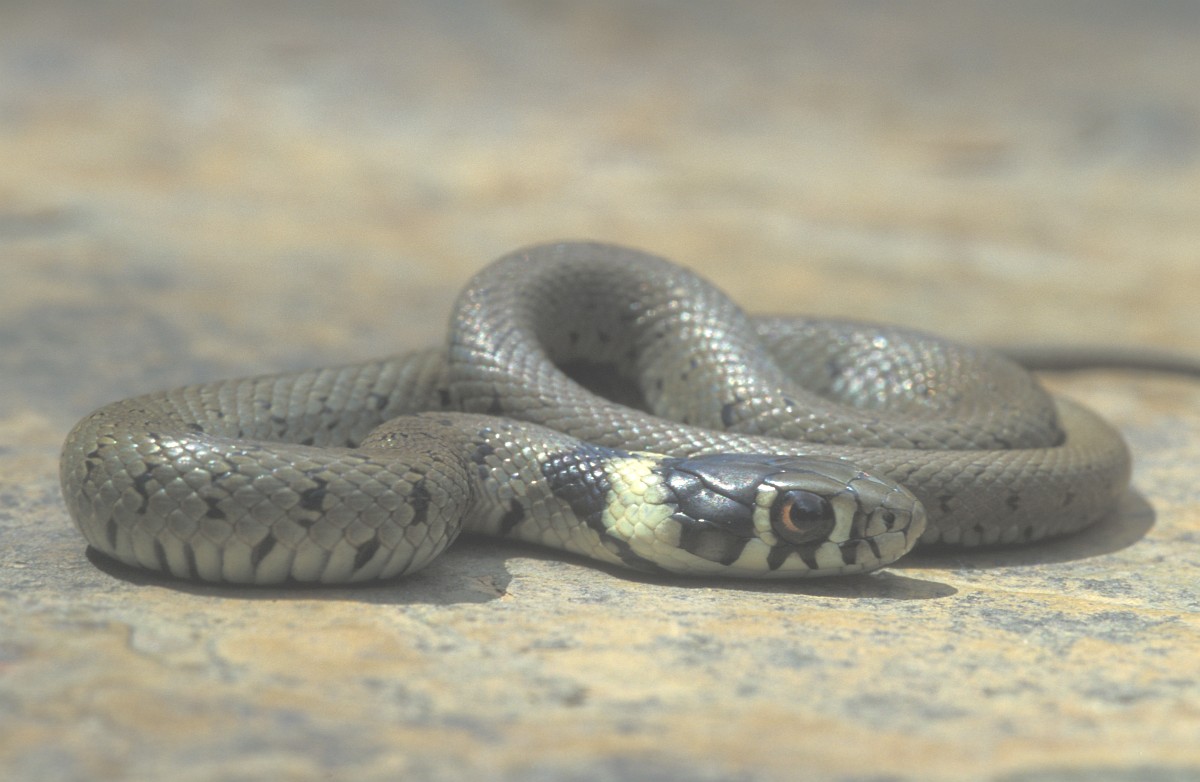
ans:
(606, 402)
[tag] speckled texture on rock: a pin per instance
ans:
(197, 191)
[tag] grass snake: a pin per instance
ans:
(606, 402)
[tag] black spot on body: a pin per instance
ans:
(365, 552)
(213, 511)
(195, 427)
(160, 556)
(443, 397)
(419, 500)
(727, 411)
(139, 485)
(110, 533)
(1013, 502)
(481, 453)
(577, 477)
(511, 518)
(189, 557)
(313, 498)
(261, 550)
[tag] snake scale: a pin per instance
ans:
(609, 403)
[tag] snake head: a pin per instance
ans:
(786, 516)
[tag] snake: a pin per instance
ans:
(608, 403)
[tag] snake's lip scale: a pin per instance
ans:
(751, 447)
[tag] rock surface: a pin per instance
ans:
(193, 191)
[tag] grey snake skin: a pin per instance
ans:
(609, 403)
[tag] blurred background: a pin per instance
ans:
(1022, 170)
(196, 190)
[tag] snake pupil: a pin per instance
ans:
(802, 517)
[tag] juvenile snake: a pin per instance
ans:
(606, 402)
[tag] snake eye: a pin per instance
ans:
(802, 517)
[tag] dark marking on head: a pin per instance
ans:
(710, 541)
(778, 555)
(313, 497)
(735, 477)
(849, 551)
(365, 552)
(261, 550)
(512, 517)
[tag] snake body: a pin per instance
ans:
(609, 403)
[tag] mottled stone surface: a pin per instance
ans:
(191, 191)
